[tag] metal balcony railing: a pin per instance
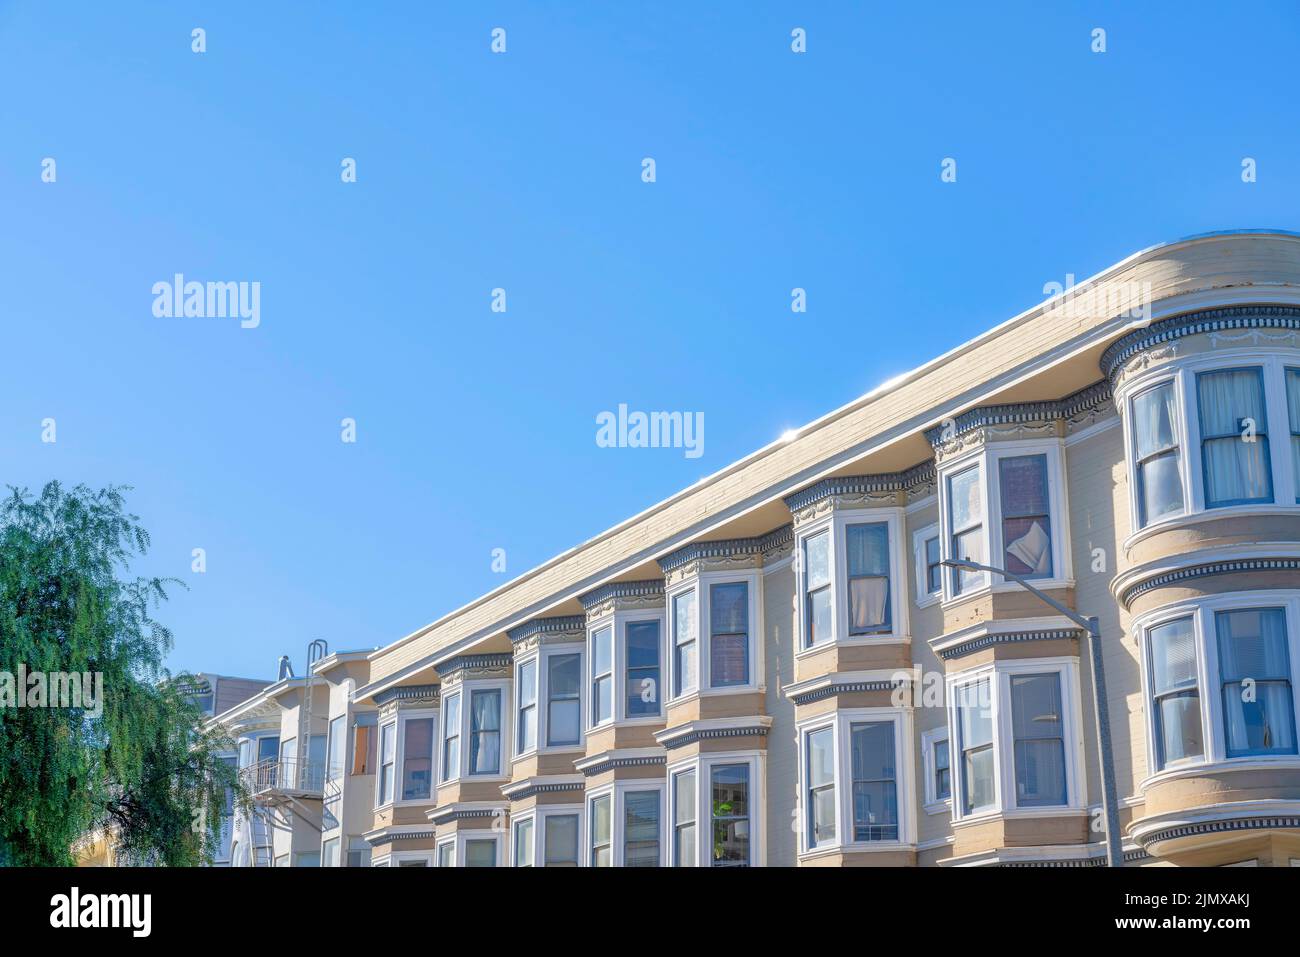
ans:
(284, 776)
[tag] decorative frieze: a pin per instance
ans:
(623, 596)
(1229, 566)
(547, 631)
(1021, 420)
(474, 668)
(859, 491)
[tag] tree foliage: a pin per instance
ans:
(139, 763)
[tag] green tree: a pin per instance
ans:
(139, 762)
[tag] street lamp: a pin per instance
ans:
(1100, 711)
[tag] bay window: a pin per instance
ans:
(684, 819)
(1026, 515)
(1038, 724)
(526, 717)
(685, 644)
(728, 634)
(641, 658)
(875, 781)
(716, 810)
(563, 707)
(1156, 453)
(417, 758)
(641, 828)
(1234, 437)
(602, 675)
(451, 737)
(867, 547)
(485, 731)
(1255, 671)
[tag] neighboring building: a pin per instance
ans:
(716, 681)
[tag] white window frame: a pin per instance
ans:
(622, 620)
(702, 584)
(588, 825)
(516, 705)
(1209, 681)
(617, 792)
(999, 674)
(934, 804)
(542, 656)
(452, 768)
(1182, 373)
(837, 523)
(330, 734)
(461, 771)
(692, 586)
(589, 675)
(530, 819)
(544, 812)
(396, 858)
(498, 838)
(337, 841)
(925, 598)
(987, 459)
(380, 801)
(841, 723)
(438, 849)
(399, 765)
(703, 765)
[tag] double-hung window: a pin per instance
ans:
(819, 597)
(481, 852)
(485, 731)
(1026, 515)
(975, 739)
(523, 843)
(1156, 453)
(1255, 668)
(730, 794)
(931, 559)
(942, 783)
(335, 749)
(684, 819)
(563, 705)
(451, 737)
(1038, 728)
(1293, 419)
(602, 674)
(1176, 706)
(417, 759)
(602, 849)
(560, 840)
(387, 756)
(526, 725)
(641, 829)
(821, 786)
(1234, 437)
(867, 547)
(966, 527)
(875, 781)
(728, 634)
(685, 645)
(641, 663)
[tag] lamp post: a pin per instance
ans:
(1100, 710)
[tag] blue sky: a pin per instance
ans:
(476, 430)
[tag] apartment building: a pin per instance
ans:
(775, 666)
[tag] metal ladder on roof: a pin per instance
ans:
(316, 651)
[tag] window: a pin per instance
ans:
(1234, 437)
(1038, 729)
(481, 852)
(526, 732)
(602, 675)
(282, 860)
(942, 783)
(641, 647)
(451, 737)
(363, 745)
(641, 829)
(563, 710)
(330, 853)
(524, 843)
(685, 676)
(819, 596)
(447, 854)
(414, 862)
(358, 852)
(485, 732)
(601, 847)
(1026, 515)
(933, 569)
(868, 572)
(975, 728)
(417, 759)
(728, 634)
(730, 787)
(268, 749)
(684, 816)
(1156, 454)
(387, 755)
(875, 781)
(335, 748)
(1254, 666)
(1176, 695)
(1293, 418)
(561, 840)
(821, 787)
(966, 524)
(288, 760)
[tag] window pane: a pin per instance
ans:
(417, 759)
(524, 844)
(1177, 705)
(1026, 522)
(641, 829)
(562, 840)
(976, 714)
(867, 548)
(337, 743)
(1173, 656)
(1179, 732)
(1039, 730)
(933, 570)
(1161, 487)
(387, 747)
(817, 555)
(1256, 671)
(1236, 470)
(967, 507)
(942, 772)
(642, 638)
(975, 725)
(684, 851)
(602, 663)
(969, 546)
(821, 787)
(601, 855)
(1155, 444)
(445, 854)
(875, 792)
(480, 853)
(564, 715)
(729, 642)
(819, 616)
(684, 637)
(601, 652)
(729, 608)
(730, 815)
(330, 855)
(485, 732)
(451, 739)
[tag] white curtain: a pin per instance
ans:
(1236, 468)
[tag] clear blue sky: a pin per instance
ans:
(476, 430)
